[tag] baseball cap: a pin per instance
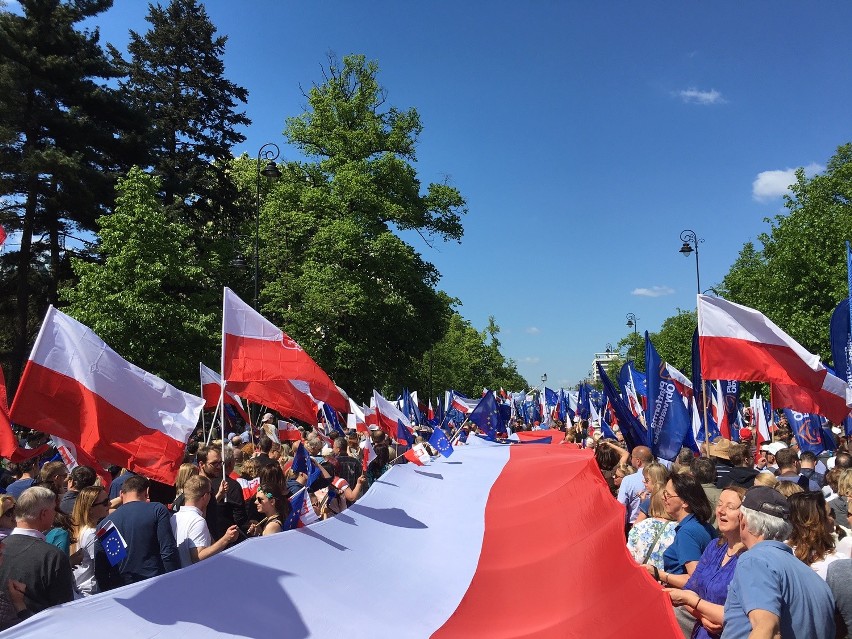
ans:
(268, 417)
(773, 447)
(768, 501)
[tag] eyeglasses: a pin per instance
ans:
(215, 463)
(668, 495)
(103, 502)
(728, 507)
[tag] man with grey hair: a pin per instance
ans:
(773, 593)
(39, 568)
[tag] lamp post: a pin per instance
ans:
(633, 322)
(543, 381)
(270, 153)
(690, 243)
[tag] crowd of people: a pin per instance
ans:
(746, 542)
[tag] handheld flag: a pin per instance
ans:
(741, 343)
(263, 364)
(670, 419)
(486, 416)
(76, 387)
(439, 442)
(301, 460)
(112, 542)
(417, 454)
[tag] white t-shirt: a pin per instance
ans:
(84, 572)
(190, 530)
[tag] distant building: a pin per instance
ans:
(604, 359)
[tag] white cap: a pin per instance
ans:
(327, 450)
(268, 417)
(773, 447)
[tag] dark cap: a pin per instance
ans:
(768, 501)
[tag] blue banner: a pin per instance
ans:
(668, 417)
(841, 348)
(807, 429)
(631, 428)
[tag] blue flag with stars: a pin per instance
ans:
(297, 502)
(112, 542)
(403, 435)
(486, 415)
(439, 442)
(301, 460)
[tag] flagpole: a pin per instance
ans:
(221, 407)
(212, 424)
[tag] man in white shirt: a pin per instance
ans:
(190, 528)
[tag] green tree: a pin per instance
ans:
(176, 74)
(144, 299)
(468, 360)
(674, 340)
(335, 274)
(63, 139)
(799, 274)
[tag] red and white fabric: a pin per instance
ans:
(263, 364)
(457, 525)
(387, 415)
(211, 388)
(737, 342)
(288, 432)
(76, 387)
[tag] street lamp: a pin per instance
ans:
(690, 243)
(543, 379)
(633, 322)
(270, 153)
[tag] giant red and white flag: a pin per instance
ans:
(737, 342)
(492, 519)
(263, 364)
(76, 387)
(211, 387)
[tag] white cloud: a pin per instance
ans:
(532, 330)
(696, 96)
(531, 360)
(769, 185)
(654, 291)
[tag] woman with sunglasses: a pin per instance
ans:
(703, 596)
(687, 504)
(274, 506)
(91, 506)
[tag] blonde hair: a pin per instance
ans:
(655, 473)
(82, 515)
(765, 479)
(196, 487)
(185, 471)
(844, 483)
(657, 507)
(788, 488)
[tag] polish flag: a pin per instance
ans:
(264, 365)
(2, 235)
(356, 418)
(9, 447)
(460, 525)
(210, 389)
(368, 453)
(72, 458)
(76, 387)
(288, 432)
(758, 420)
(249, 487)
(387, 415)
(431, 414)
(464, 405)
(738, 342)
(417, 455)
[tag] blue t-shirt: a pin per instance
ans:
(691, 538)
(17, 487)
(769, 577)
(710, 580)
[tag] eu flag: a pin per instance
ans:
(403, 435)
(486, 415)
(112, 543)
(300, 460)
(439, 442)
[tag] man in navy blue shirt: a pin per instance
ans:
(146, 529)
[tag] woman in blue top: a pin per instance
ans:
(685, 503)
(704, 594)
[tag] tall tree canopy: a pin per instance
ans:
(335, 274)
(468, 360)
(64, 137)
(144, 298)
(176, 74)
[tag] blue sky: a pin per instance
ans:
(585, 137)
